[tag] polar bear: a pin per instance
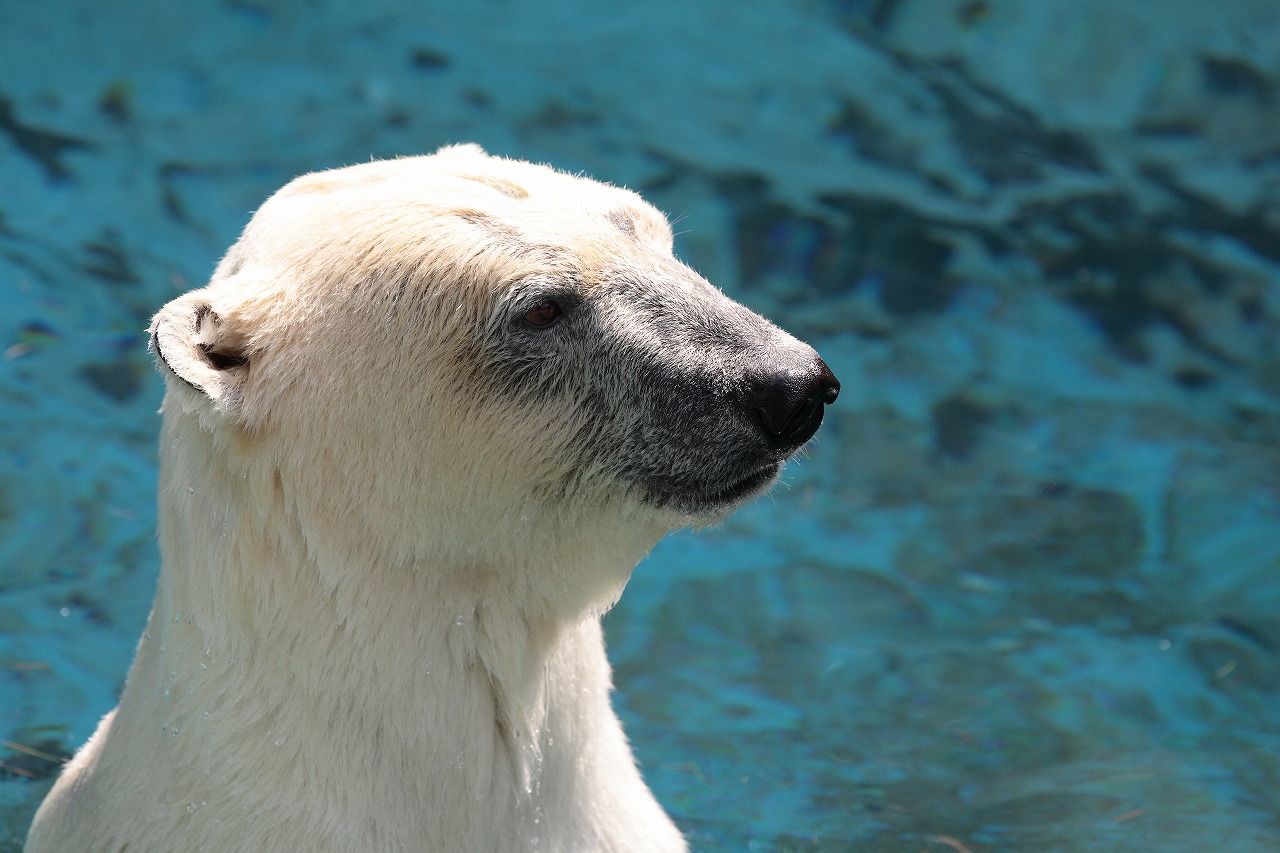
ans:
(419, 428)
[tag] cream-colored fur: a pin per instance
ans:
(377, 622)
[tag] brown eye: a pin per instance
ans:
(543, 314)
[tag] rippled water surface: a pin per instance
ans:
(1021, 593)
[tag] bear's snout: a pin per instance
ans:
(786, 401)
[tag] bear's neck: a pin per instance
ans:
(390, 703)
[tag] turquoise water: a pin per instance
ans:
(1021, 593)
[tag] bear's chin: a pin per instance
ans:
(716, 501)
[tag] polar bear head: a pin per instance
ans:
(473, 366)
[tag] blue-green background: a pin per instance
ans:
(1023, 591)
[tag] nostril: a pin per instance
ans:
(801, 416)
(775, 416)
(829, 384)
(789, 405)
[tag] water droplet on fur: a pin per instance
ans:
(191, 490)
(166, 693)
(278, 741)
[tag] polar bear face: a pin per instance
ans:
(471, 360)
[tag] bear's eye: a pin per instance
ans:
(543, 314)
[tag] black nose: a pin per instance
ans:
(787, 402)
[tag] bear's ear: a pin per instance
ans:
(197, 346)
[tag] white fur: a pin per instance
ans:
(371, 632)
